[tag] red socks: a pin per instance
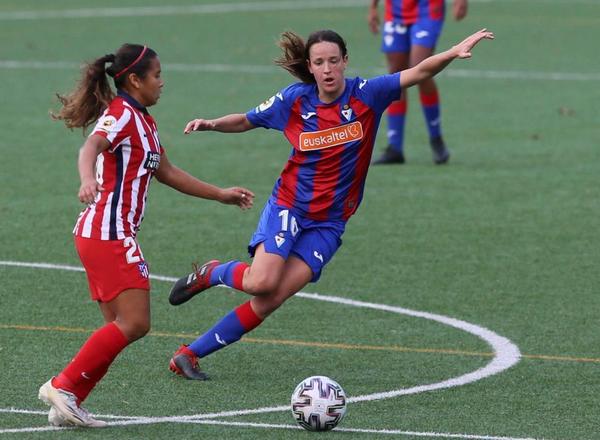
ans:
(248, 318)
(91, 363)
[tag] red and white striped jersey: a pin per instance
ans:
(124, 171)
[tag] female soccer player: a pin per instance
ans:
(331, 123)
(116, 164)
(410, 32)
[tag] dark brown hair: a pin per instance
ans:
(296, 52)
(91, 96)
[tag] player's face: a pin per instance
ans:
(327, 65)
(151, 84)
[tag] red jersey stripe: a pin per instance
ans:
(364, 157)
(286, 193)
(327, 169)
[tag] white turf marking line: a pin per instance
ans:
(217, 8)
(272, 70)
(506, 354)
(153, 11)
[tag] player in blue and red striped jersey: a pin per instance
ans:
(410, 33)
(116, 165)
(331, 123)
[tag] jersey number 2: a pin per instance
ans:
(130, 243)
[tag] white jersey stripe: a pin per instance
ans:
(141, 170)
(87, 225)
(105, 228)
(121, 123)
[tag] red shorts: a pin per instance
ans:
(112, 266)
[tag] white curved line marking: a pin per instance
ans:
(506, 354)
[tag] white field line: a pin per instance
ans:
(293, 427)
(161, 11)
(272, 70)
(218, 8)
(506, 354)
(296, 427)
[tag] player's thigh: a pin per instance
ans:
(296, 275)
(107, 313)
(317, 246)
(397, 61)
(132, 312)
(419, 53)
(424, 36)
(265, 271)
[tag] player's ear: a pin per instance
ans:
(309, 66)
(134, 80)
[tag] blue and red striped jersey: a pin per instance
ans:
(410, 11)
(325, 174)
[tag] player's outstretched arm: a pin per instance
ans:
(234, 123)
(180, 180)
(436, 63)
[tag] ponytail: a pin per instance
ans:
(294, 57)
(93, 94)
(85, 104)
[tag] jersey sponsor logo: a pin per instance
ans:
(421, 34)
(152, 161)
(308, 115)
(318, 256)
(220, 340)
(331, 137)
(362, 84)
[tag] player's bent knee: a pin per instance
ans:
(259, 284)
(136, 330)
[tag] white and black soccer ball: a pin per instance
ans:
(318, 403)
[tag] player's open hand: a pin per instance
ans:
(88, 191)
(199, 125)
(463, 49)
(242, 197)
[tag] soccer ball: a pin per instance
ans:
(318, 403)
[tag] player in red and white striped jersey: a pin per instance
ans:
(126, 166)
(116, 165)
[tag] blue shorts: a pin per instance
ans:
(284, 231)
(400, 38)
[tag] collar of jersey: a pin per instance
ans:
(131, 101)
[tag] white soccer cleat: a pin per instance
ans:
(65, 404)
(55, 419)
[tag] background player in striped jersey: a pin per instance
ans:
(116, 164)
(331, 123)
(410, 32)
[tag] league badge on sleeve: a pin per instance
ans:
(106, 123)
